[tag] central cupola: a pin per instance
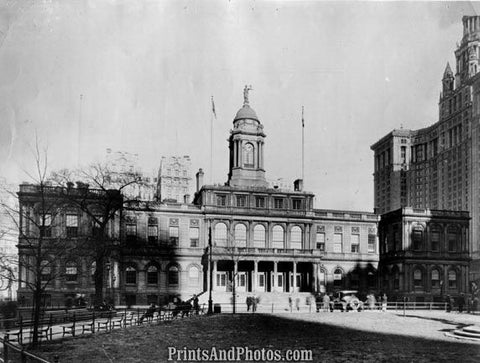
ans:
(246, 148)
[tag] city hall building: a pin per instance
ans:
(269, 240)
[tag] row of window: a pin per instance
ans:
(131, 274)
(173, 234)
(296, 238)
(241, 200)
(419, 279)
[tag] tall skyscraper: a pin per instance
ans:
(438, 167)
(174, 179)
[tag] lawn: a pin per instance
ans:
(339, 337)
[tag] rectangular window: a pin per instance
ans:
(173, 236)
(241, 201)
(355, 243)
(260, 202)
(46, 229)
(194, 233)
(278, 203)
(221, 200)
(131, 232)
(321, 241)
(403, 154)
(297, 204)
(337, 242)
(371, 243)
(72, 225)
(152, 234)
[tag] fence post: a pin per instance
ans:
(138, 316)
(93, 322)
(20, 336)
(51, 327)
(125, 318)
(73, 325)
(23, 357)
(5, 349)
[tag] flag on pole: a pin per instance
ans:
(213, 109)
(303, 121)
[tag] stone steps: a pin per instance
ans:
(471, 332)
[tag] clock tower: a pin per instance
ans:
(246, 148)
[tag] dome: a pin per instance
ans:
(246, 112)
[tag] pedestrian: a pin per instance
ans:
(371, 301)
(249, 302)
(196, 307)
(290, 302)
(318, 302)
(384, 302)
(297, 303)
(254, 303)
(326, 303)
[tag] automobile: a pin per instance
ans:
(347, 300)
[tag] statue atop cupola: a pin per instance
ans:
(246, 147)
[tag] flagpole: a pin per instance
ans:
(303, 149)
(211, 146)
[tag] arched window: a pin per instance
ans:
(240, 235)
(338, 278)
(417, 278)
(248, 153)
(452, 279)
(130, 275)
(193, 275)
(322, 279)
(221, 234)
(45, 270)
(152, 275)
(259, 236)
(296, 238)
(71, 271)
(173, 275)
(435, 278)
(417, 238)
(278, 238)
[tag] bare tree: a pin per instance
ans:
(101, 194)
(37, 210)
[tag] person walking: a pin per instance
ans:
(249, 302)
(384, 302)
(196, 307)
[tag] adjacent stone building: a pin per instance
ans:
(424, 254)
(438, 167)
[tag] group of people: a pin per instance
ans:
(252, 302)
(326, 302)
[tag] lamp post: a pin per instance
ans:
(113, 287)
(109, 285)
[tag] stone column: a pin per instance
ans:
(274, 280)
(294, 282)
(255, 276)
(214, 275)
(315, 277)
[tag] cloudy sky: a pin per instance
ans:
(146, 71)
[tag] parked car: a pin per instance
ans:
(347, 300)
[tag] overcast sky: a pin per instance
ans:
(147, 71)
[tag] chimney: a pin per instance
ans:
(298, 185)
(199, 176)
